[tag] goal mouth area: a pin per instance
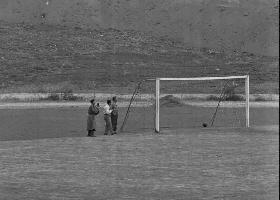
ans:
(224, 98)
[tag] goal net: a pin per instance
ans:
(178, 103)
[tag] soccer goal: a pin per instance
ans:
(189, 102)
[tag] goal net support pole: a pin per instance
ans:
(247, 93)
(157, 105)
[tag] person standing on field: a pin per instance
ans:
(114, 114)
(107, 118)
(93, 110)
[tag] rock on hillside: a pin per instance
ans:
(235, 25)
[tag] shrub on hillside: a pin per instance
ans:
(70, 97)
(229, 95)
(51, 97)
(260, 98)
(170, 100)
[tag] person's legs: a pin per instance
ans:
(114, 120)
(108, 125)
(91, 133)
(91, 126)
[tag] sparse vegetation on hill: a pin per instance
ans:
(241, 25)
(36, 57)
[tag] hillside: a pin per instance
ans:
(223, 25)
(42, 57)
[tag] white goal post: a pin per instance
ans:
(158, 80)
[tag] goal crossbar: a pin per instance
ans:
(246, 77)
(199, 78)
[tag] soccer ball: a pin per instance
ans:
(204, 124)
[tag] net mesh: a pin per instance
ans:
(188, 104)
(139, 114)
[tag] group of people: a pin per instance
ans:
(110, 112)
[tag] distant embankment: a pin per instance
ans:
(234, 25)
(34, 101)
(102, 97)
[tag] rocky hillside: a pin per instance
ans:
(224, 25)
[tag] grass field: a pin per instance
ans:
(44, 154)
(54, 122)
(186, 164)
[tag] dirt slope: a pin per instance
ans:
(43, 58)
(238, 25)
